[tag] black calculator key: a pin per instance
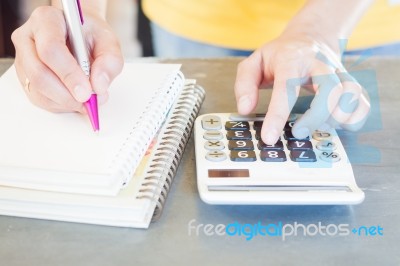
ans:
(243, 156)
(238, 135)
(240, 145)
(258, 135)
(257, 125)
(277, 146)
(303, 156)
(237, 125)
(288, 125)
(289, 136)
(273, 156)
(299, 145)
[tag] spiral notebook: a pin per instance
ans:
(133, 188)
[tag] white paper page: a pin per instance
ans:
(34, 138)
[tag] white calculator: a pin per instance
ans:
(234, 166)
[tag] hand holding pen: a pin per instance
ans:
(74, 19)
(48, 70)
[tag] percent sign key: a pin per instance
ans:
(330, 156)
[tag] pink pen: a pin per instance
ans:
(74, 19)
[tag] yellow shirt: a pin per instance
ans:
(248, 24)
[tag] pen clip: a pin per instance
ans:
(78, 3)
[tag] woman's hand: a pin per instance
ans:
(291, 62)
(52, 78)
(306, 54)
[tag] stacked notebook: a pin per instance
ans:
(52, 166)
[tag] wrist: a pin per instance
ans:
(307, 32)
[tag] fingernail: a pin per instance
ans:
(244, 104)
(81, 94)
(271, 137)
(301, 133)
(102, 83)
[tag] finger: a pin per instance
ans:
(35, 96)
(284, 94)
(328, 91)
(52, 50)
(348, 101)
(107, 61)
(43, 84)
(248, 79)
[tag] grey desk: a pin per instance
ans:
(37, 242)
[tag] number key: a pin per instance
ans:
(240, 145)
(238, 135)
(303, 156)
(273, 156)
(289, 136)
(288, 125)
(277, 146)
(299, 145)
(243, 156)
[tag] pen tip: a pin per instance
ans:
(91, 109)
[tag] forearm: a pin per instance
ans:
(97, 6)
(328, 20)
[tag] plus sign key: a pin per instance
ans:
(211, 122)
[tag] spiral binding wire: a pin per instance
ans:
(145, 129)
(176, 133)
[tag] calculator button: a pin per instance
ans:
(214, 145)
(303, 156)
(326, 145)
(211, 122)
(288, 125)
(289, 136)
(213, 135)
(273, 156)
(277, 146)
(257, 136)
(299, 145)
(321, 135)
(257, 125)
(240, 145)
(330, 157)
(237, 125)
(238, 134)
(216, 156)
(243, 156)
